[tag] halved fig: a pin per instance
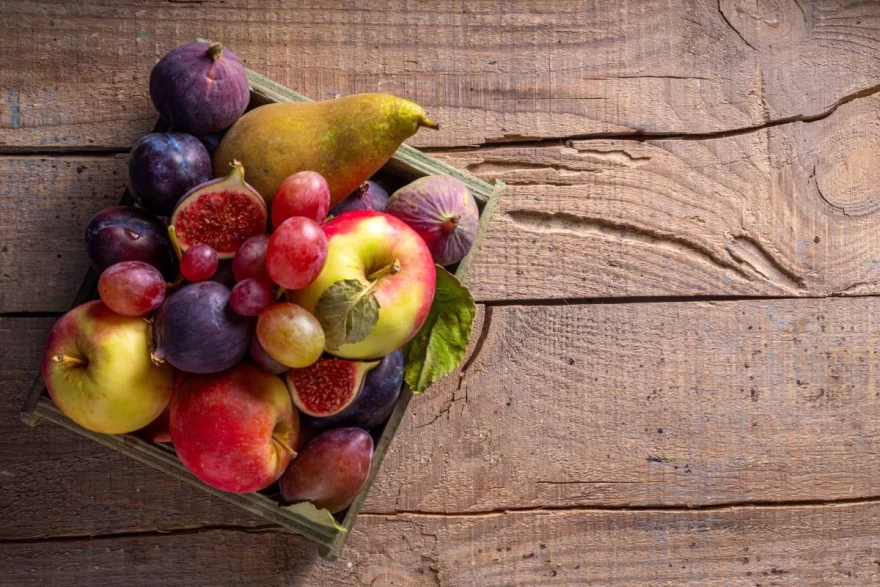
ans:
(222, 213)
(327, 387)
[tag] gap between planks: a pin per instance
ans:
(513, 141)
(273, 528)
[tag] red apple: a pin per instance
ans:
(98, 371)
(302, 194)
(234, 430)
(389, 257)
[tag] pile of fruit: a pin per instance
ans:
(263, 322)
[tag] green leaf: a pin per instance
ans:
(440, 345)
(347, 311)
(307, 510)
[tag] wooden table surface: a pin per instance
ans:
(675, 378)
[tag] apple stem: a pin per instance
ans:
(68, 360)
(285, 446)
(389, 269)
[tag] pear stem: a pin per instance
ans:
(389, 269)
(215, 50)
(68, 360)
(426, 121)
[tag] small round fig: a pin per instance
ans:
(444, 213)
(125, 233)
(200, 88)
(222, 213)
(163, 167)
(369, 196)
(196, 331)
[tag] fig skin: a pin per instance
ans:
(368, 196)
(200, 88)
(442, 211)
(163, 167)
(195, 330)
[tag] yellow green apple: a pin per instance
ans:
(98, 371)
(381, 257)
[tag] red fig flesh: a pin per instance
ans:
(327, 387)
(222, 213)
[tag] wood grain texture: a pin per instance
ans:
(679, 404)
(490, 72)
(789, 210)
(792, 546)
(673, 404)
(784, 211)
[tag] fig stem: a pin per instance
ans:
(215, 50)
(385, 271)
(68, 360)
(156, 359)
(452, 222)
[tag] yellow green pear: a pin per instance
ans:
(346, 140)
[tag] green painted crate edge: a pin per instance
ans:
(407, 161)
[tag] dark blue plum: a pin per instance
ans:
(374, 403)
(125, 233)
(369, 196)
(195, 330)
(200, 88)
(163, 167)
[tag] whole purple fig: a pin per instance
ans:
(369, 196)
(200, 88)
(163, 167)
(444, 213)
(196, 332)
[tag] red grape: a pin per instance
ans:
(296, 254)
(250, 260)
(198, 263)
(132, 288)
(250, 297)
(302, 194)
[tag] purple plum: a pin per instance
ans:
(125, 233)
(369, 196)
(165, 166)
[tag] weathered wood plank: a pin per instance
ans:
(75, 75)
(648, 404)
(797, 546)
(687, 404)
(789, 210)
(785, 211)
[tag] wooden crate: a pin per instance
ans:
(406, 165)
